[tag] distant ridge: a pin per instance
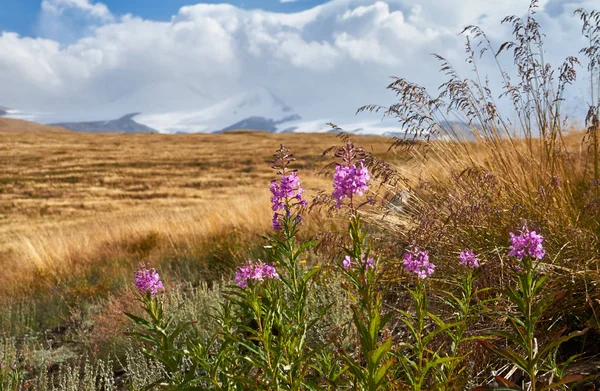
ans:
(259, 123)
(10, 125)
(125, 124)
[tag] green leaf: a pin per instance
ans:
(306, 245)
(310, 274)
(427, 339)
(507, 335)
(555, 343)
(381, 351)
(407, 320)
(145, 337)
(177, 331)
(381, 372)
(374, 326)
(510, 355)
(138, 320)
(434, 363)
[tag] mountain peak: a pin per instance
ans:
(258, 109)
(124, 124)
(128, 117)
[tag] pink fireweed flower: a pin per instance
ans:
(285, 195)
(148, 280)
(368, 263)
(350, 180)
(255, 272)
(276, 222)
(468, 258)
(417, 261)
(347, 262)
(526, 243)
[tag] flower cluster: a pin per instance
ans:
(255, 272)
(468, 258)
(148, 280)
(349, 180)
(285, 195)
(526, 243)
(416, 261)
(348, 262)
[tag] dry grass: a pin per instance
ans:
(9, 125)
(68, 200)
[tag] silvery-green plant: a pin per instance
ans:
(10, 366)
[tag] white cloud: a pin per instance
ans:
(96, 10)
(324, 62)
(69, 20)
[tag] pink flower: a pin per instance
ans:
(255, 272)
(368, 262)
(526, 243)
(417, 261)
(348, 263)
(468, 258)
(285, 195)
(350, 180)
(148, 280)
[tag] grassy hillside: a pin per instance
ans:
(10, 125)
(69, 199)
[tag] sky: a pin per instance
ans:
(87, 60)
(21, 16)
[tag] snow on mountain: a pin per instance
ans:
(253, 109)
(6, 112)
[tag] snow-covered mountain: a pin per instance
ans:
(258, 110)
(193, 111)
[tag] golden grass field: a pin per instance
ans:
(67, 199)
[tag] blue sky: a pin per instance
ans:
(22, 16)
(178, 60)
